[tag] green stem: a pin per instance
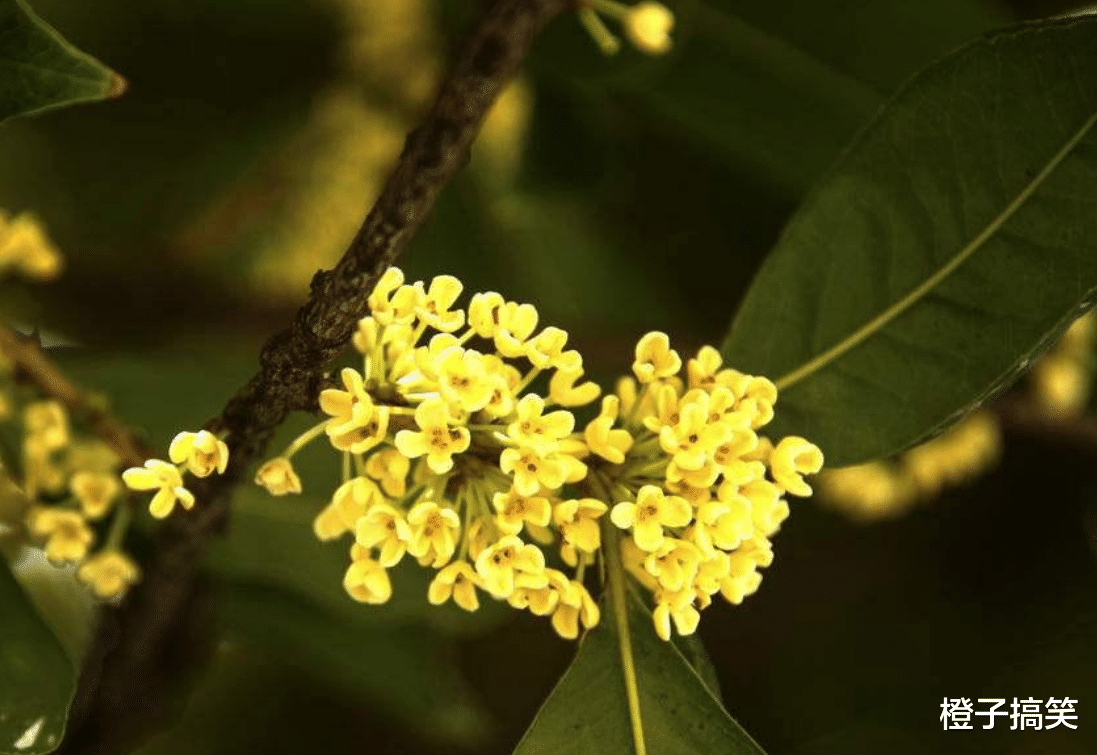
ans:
(304, 439)
(121, 523)
(617, 596)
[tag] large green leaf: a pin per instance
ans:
(628, 692)
(37, 679)
(39, 70)
(950, 245)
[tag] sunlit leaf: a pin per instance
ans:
(37, 679)
(952, 243)
(39, 70)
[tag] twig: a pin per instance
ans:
(27, 355)
(142, 646)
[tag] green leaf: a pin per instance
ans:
(39, 70)
(628, 691)
(37, 679)
(693, 650)
(952, 243)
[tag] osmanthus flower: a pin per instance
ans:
(203, 453)
(480, 476)
(166, 480)
(66, 533)
(96, 492)
(109, 574)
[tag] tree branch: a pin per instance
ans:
(30, 358)
(151, 639)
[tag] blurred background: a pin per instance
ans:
(620, 195)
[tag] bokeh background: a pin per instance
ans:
(620, 195)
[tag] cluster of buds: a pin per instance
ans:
(65, 496)
(450, 458)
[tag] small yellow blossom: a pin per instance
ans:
(463, 379)
(367, 581)
(68, 535)
(484, 313)
(533, 470)
(692, 441)
(577, 521)
(391, 302)
(655, 359)
(390, 468)
(516, 323)
(575, 605)
(434, 309)
(25, 245)
(349, 503)
(503, 565)
(109, 574)
(202, 452)
(457, 580)
(165, 480)
(679, 607)
(546, 349)
(47, 423)
(515, 510)
(385, 527)
(603, 438)
(647, 516)
(793, 458)
(648, 26)
(436, 439)
(95, 491)
(535, 428)
(278, 477)
(434, 530)
(564, 391)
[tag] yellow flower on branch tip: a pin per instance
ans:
(278, 477)
(67, 534)
(655, 359)
(109, 574)
(202, 452)
(367, 582)
(535, 428)
(515, 510)
(390, 468)
(540, 595)
(95, 491)
(391, 301)
(435, 438)
(603, 439)
(702, 369)
(359, 437)
(648, 26)
(165, 479)
(533, 471)
(723, 523)
(384, 526)
(767, 508)
(691, 442)
(434, 308)
(457, 580)
(349, 503)
(652, 511)
(434, 531)
(792, 458)
(500, 565)
(564, 391)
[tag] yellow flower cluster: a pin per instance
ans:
(701, 490)
(68, 490)
(451, 458)
(883, 489)
(201, 453)
(25, 247)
